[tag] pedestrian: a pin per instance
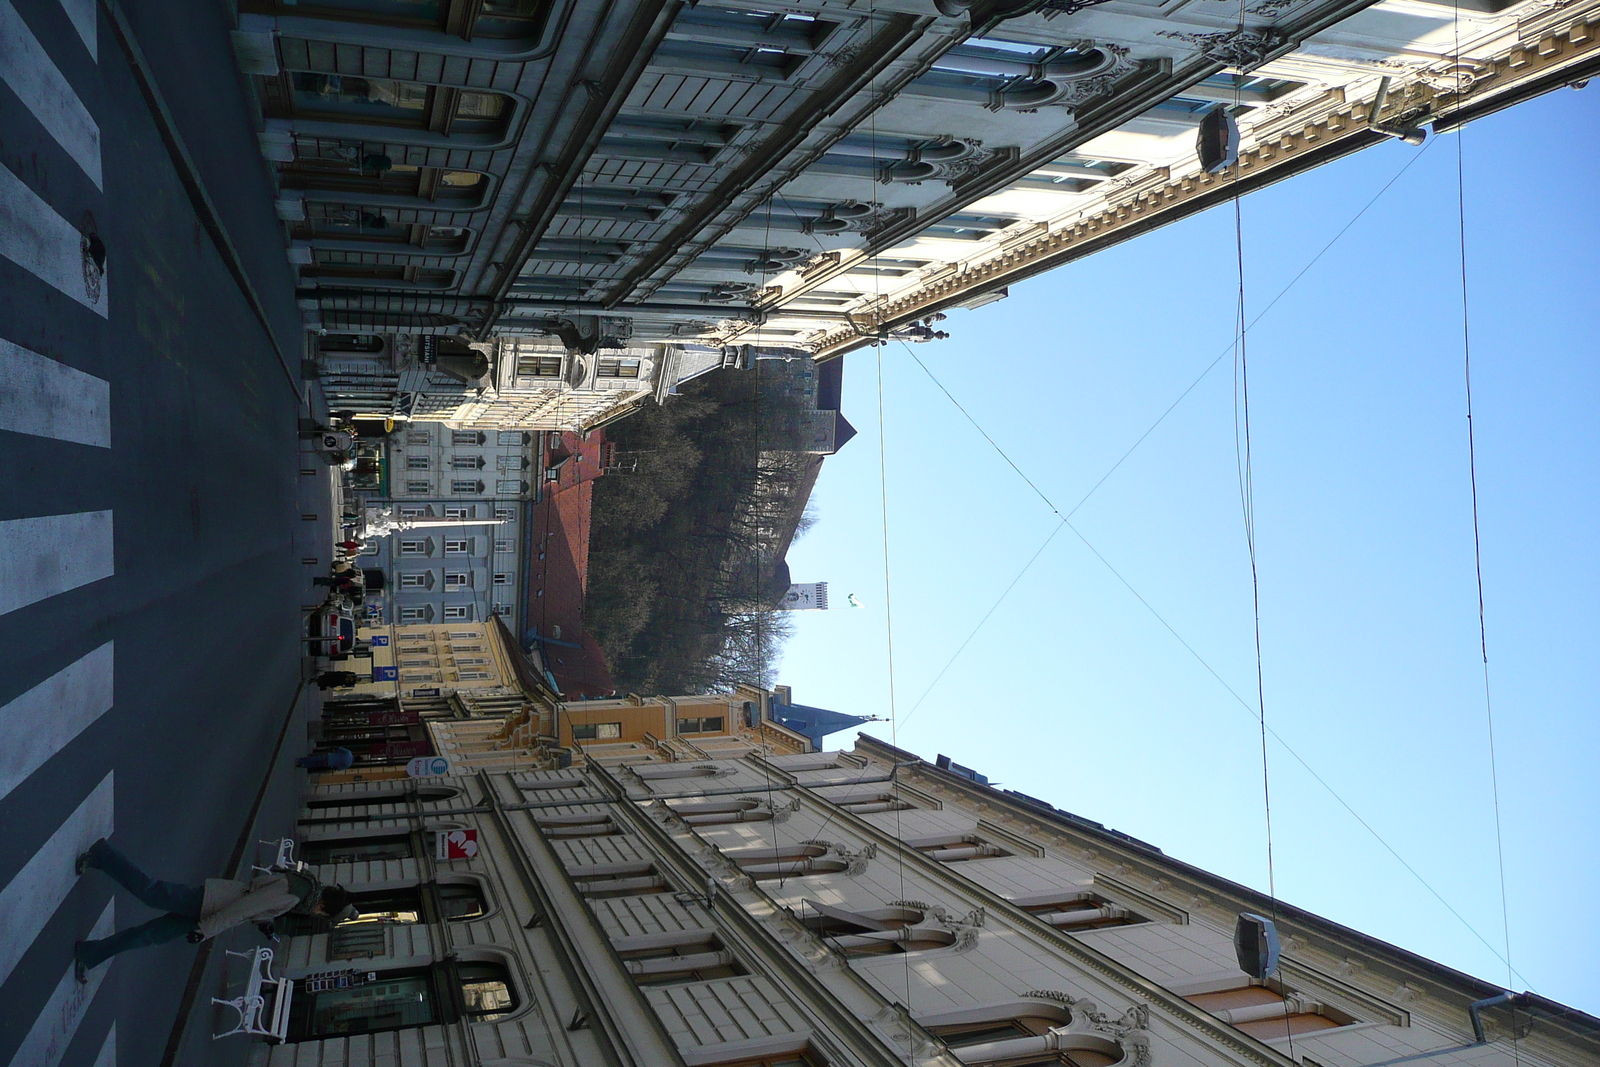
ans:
(202, 912)
(339, 759)
(337, 679)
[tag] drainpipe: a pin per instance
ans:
(1516, 1000)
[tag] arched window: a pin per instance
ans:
(397, 906)
(399, 999)
(617, 880)
(510, 20)
(583, 824)
(439, 109)
(328, 853)
(876, 932)
(954, 848)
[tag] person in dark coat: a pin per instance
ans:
(337, 679)
(201, 912)
(340, 759)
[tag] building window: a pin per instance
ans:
(409, 661)
(502, 578)
(504, 544)
(506, 514)
(420, 676)
(713, 813)
(617, 880)
(512, 437)
(954, 848)
(454, 648)
(1077, 911)
(463, 635)
(538, 367)
(425, 794)
(584, 824)
(419, 437)
(413, 511)
(679, 956)
(1266, 1014)
(417, 547)
(596, 731)
(711, 724)
(474, 676)
(380, 101)
(511, 463)
(457, 546)
(414, 581)
(510, 488)
(420, 487)
(410, 638)
(457, 580)
(465, 487)
(877, 932)
(1019, 1032)
(454, 612)
(788, 861)
(466, 437)
(416, 614)
(358, 850)
(463, 511)
(465, 463)
(870, 805)
(502, 610)
(401, 999)
(618, 367)
(417, 463)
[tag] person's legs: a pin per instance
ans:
(157, 931)
(317, 761)
(174, 897)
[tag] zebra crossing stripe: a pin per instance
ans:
(45, 719)
(49, 399)
(41, 242)
(108, 1050)
(29, 899)
(50, 554)
(43, 90)
(52, 1031)
(86, 20)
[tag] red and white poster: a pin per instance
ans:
(455, 845)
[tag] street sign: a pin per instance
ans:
(455, 844)
(378, 640)
(428, 767)
(385, 674)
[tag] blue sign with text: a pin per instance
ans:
(385, 674)
(379, 640)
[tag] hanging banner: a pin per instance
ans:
(455, 844)
(428, 767)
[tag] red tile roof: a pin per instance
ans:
(560, 577)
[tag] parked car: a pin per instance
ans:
(331, 628)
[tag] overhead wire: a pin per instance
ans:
(1140, 440)
(1477, 537)
(1244, 704)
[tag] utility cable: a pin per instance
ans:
(1246, 704)
(1167, 411)
(1477, 539)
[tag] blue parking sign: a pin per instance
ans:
(385, 674)
(379, 640)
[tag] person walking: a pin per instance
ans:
(339, 759)
(338, 680)
(202, 912)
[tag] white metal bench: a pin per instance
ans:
(285, 860)
(254, 1017)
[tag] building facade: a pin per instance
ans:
(611, 182)
(486, 480)
(687, 882)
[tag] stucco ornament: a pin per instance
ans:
(1243, 50)
(894, 1023)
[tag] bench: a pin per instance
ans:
(254, 1017)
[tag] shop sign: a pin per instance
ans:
(428, 767)
(455, 844)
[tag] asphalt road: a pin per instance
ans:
(151, 502)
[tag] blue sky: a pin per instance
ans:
(1075, 693)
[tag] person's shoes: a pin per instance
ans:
(85, 860)
(80, 970)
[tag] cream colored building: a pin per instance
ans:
(653, 888)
